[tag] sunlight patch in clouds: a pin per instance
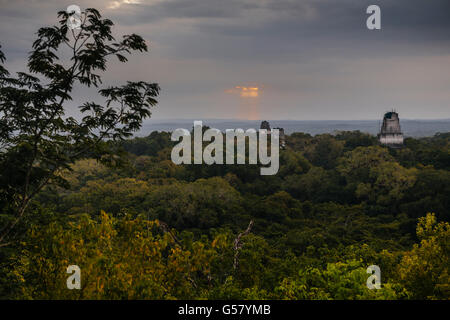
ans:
(245, 91)
(117, 4)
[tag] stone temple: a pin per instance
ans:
(266, 125)
(391, 133)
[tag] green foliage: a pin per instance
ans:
(302, 244)
(338, 204)
(119, 259)
(341, 280)
(202, 204)
(37, 140)
(424, 269)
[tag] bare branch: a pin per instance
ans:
(238, 244)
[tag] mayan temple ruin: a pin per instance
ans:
(391, 133)
(265, 125)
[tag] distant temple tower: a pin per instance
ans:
(282, 138)
(391, 133)
(266, 125)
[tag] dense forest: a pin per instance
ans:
(85, 192)
(149, 229)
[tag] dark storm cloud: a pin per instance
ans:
(315, 58)
(265, 29)
(334, 16)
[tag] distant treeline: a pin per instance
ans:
(148, 228)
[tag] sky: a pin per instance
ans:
(267, 59)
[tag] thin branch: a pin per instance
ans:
(238, 244)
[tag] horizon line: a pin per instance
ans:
(268, 119)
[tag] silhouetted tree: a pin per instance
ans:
(37, 140)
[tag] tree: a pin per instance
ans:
(424, 269)
(119, 259)
(202, 204)
(340, 280)
(389, 183)
(325, 152)
(355, 165)
(36, 140)
(375, 175)
(354, 139)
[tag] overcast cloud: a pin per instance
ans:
(311, 59)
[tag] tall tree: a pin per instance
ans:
(37, 140)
